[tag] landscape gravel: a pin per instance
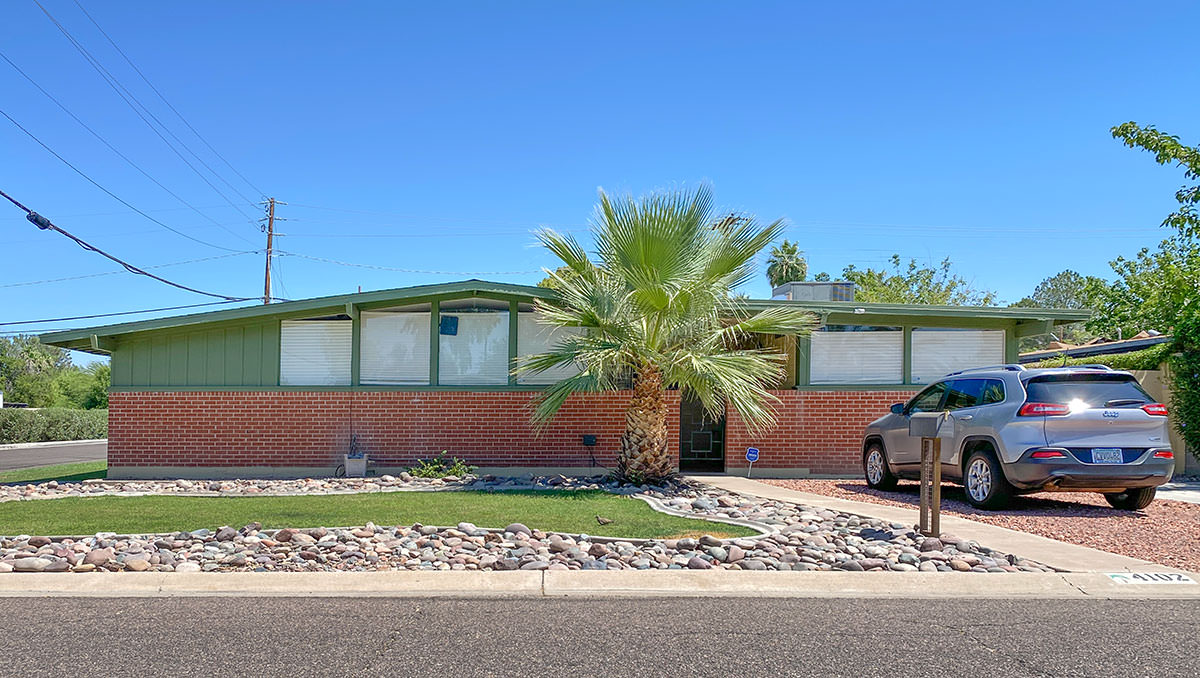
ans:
(1165, 532)
(798, 538)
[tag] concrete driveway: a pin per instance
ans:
(46, 454)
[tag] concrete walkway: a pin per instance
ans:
(1189, 492)
(546, 584)
(30, 455)
(1057, 554)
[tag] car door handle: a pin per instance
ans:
(966, 417)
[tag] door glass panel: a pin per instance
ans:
(927, 400)
(965, 393)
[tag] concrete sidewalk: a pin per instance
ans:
(1057, 554)
(1180, 491)
(546, 584)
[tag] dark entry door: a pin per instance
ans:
(701, 438)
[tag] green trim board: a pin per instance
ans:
(93, 339)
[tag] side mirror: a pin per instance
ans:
(898, 408)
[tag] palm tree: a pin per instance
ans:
(658, 311)
(786, 264)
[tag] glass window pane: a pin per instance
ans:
(473, 342)
(315, 352)
(938, 352)
(533, 336)
(927, 400)
(851, 354)
(394, 346)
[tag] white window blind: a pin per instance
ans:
(938, 352)
(394, 348)
(314, 352)
(875, 357)
(477, 353)
(535, 337)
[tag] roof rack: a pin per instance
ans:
(1097, 366)
(1011, 367)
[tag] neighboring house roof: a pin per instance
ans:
(1103, 348)
(1029, 320)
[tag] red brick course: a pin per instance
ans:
(297, 428)
(820, 431)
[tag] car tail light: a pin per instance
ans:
(1156, 409)
(1047, 454)
(1043, 409)
(1164, 454)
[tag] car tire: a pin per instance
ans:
(984, 482)
(875, 468)
(1131, 500)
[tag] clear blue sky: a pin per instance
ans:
(969, 131)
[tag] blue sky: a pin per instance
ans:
(969, 131)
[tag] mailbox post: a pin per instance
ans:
(927, 426)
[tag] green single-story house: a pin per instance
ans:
(289, 389)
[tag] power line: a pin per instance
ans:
(106, 273)
(114, 196)
(45, 224)
(110, 315)
(113, 148)
(164, 99)
(126, 96)
(401, 270)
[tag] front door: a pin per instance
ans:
(701, 438)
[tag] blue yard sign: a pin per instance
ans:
(751, 456)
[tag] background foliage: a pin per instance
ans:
(43, 376)
(912, 283)
(53, 423)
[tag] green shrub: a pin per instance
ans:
(1185, 381)
(52, 423)
(440, 467)
(1146, 359)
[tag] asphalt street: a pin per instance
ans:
(593, 637)
(28, 457)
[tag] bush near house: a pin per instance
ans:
(1146, 359)
(52, 423)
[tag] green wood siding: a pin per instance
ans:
(238, 355)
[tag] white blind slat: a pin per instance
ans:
(533, 336)
(315, 352)
(478, 353)
(937, 353)
(394, 348)
(857, 357)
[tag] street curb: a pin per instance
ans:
(621, 584)
(53, 443)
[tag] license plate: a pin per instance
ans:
(1107, 455)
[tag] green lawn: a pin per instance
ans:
(572, 512)
(83, 470)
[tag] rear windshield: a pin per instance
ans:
(1096, 390)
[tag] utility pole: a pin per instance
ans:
(270, 230)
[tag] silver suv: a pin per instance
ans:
(1013, 430)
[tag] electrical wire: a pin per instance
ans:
(127, 96)
(106, 273)
(401, 270)
(45, 224)
(113, 148)
(110, 315)
(164, 100)
(112, 195)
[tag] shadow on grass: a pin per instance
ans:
(69, 473)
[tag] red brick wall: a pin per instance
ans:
(294, 428)
(817, 430)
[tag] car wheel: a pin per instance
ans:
(875, 469)
(1131, 500)
(984, 481)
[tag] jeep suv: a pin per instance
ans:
(1013, 430)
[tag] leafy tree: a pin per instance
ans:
(915, 284)
(822, 277)
(1067, 289)
(1169, 150)
(786, 264)
(1185, 380)
(549, 281)
(1152, 290)
(97, 393)
(28, 369)
(658, 310)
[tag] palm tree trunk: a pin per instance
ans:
(645, 454)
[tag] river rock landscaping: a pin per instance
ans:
(795, 537)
